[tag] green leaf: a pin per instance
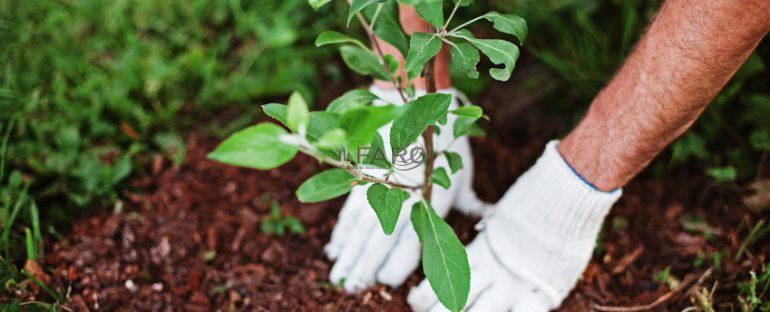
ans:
(318, 124)
(332, 37)
(386, 203)
(325, 185)
(422, 48)
(275, 110)
(317, 4)
(724, 174)
(440, 177)
(431, 11)
(362, 123)
(471, 111)
(476, 131)
(335, 138)
(465, 57)
(442, 121)
(462, 126)
(295, 226)
(363, 62)
(375, 154)
(392, 63)
(500, 52)
(352, 99)
(358, 5)
(387, 26)
(297, 115)
(258, 147)
(418, 115)
(509, 24)
(444, 259)
(454, 160)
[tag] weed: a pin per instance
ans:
(752, 292)
(278, 224)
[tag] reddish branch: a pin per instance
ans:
(427, 135)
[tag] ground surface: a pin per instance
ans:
(190, 237)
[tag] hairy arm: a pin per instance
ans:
(689, 52)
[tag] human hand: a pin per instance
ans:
(364, 254)
(537, 243)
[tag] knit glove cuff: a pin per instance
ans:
(545, 227)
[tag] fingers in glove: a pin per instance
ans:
(354, 206)
(467, 201)
(351, 251)
(480, 283)
(373, 254)
(402, 260)
(422, 298)
(494, 298)
(534, 304)
(527, 298)
(438, 307)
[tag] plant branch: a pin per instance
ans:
(307, 148)
(356, 172)
(427, 135)
(380, 54)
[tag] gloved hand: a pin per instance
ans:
(364, 254)
(535, 245)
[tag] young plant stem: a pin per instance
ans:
(452, 15)
(427, 135)
(465, 24)
(370, 33)
(308, 149)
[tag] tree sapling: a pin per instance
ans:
(350, 123)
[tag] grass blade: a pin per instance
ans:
(5, 242)
(4, 146)
(30, 242)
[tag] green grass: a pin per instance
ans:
(90, 88)
(752, 292)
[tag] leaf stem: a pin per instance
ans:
(451, 15)
(466, 24)
(376, 14)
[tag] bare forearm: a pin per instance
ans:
(687, 55)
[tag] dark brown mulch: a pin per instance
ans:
(189, 238)
(151, 255)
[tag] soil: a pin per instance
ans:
(188, 238)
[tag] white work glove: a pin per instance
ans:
(535, 245)
(364, 254)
